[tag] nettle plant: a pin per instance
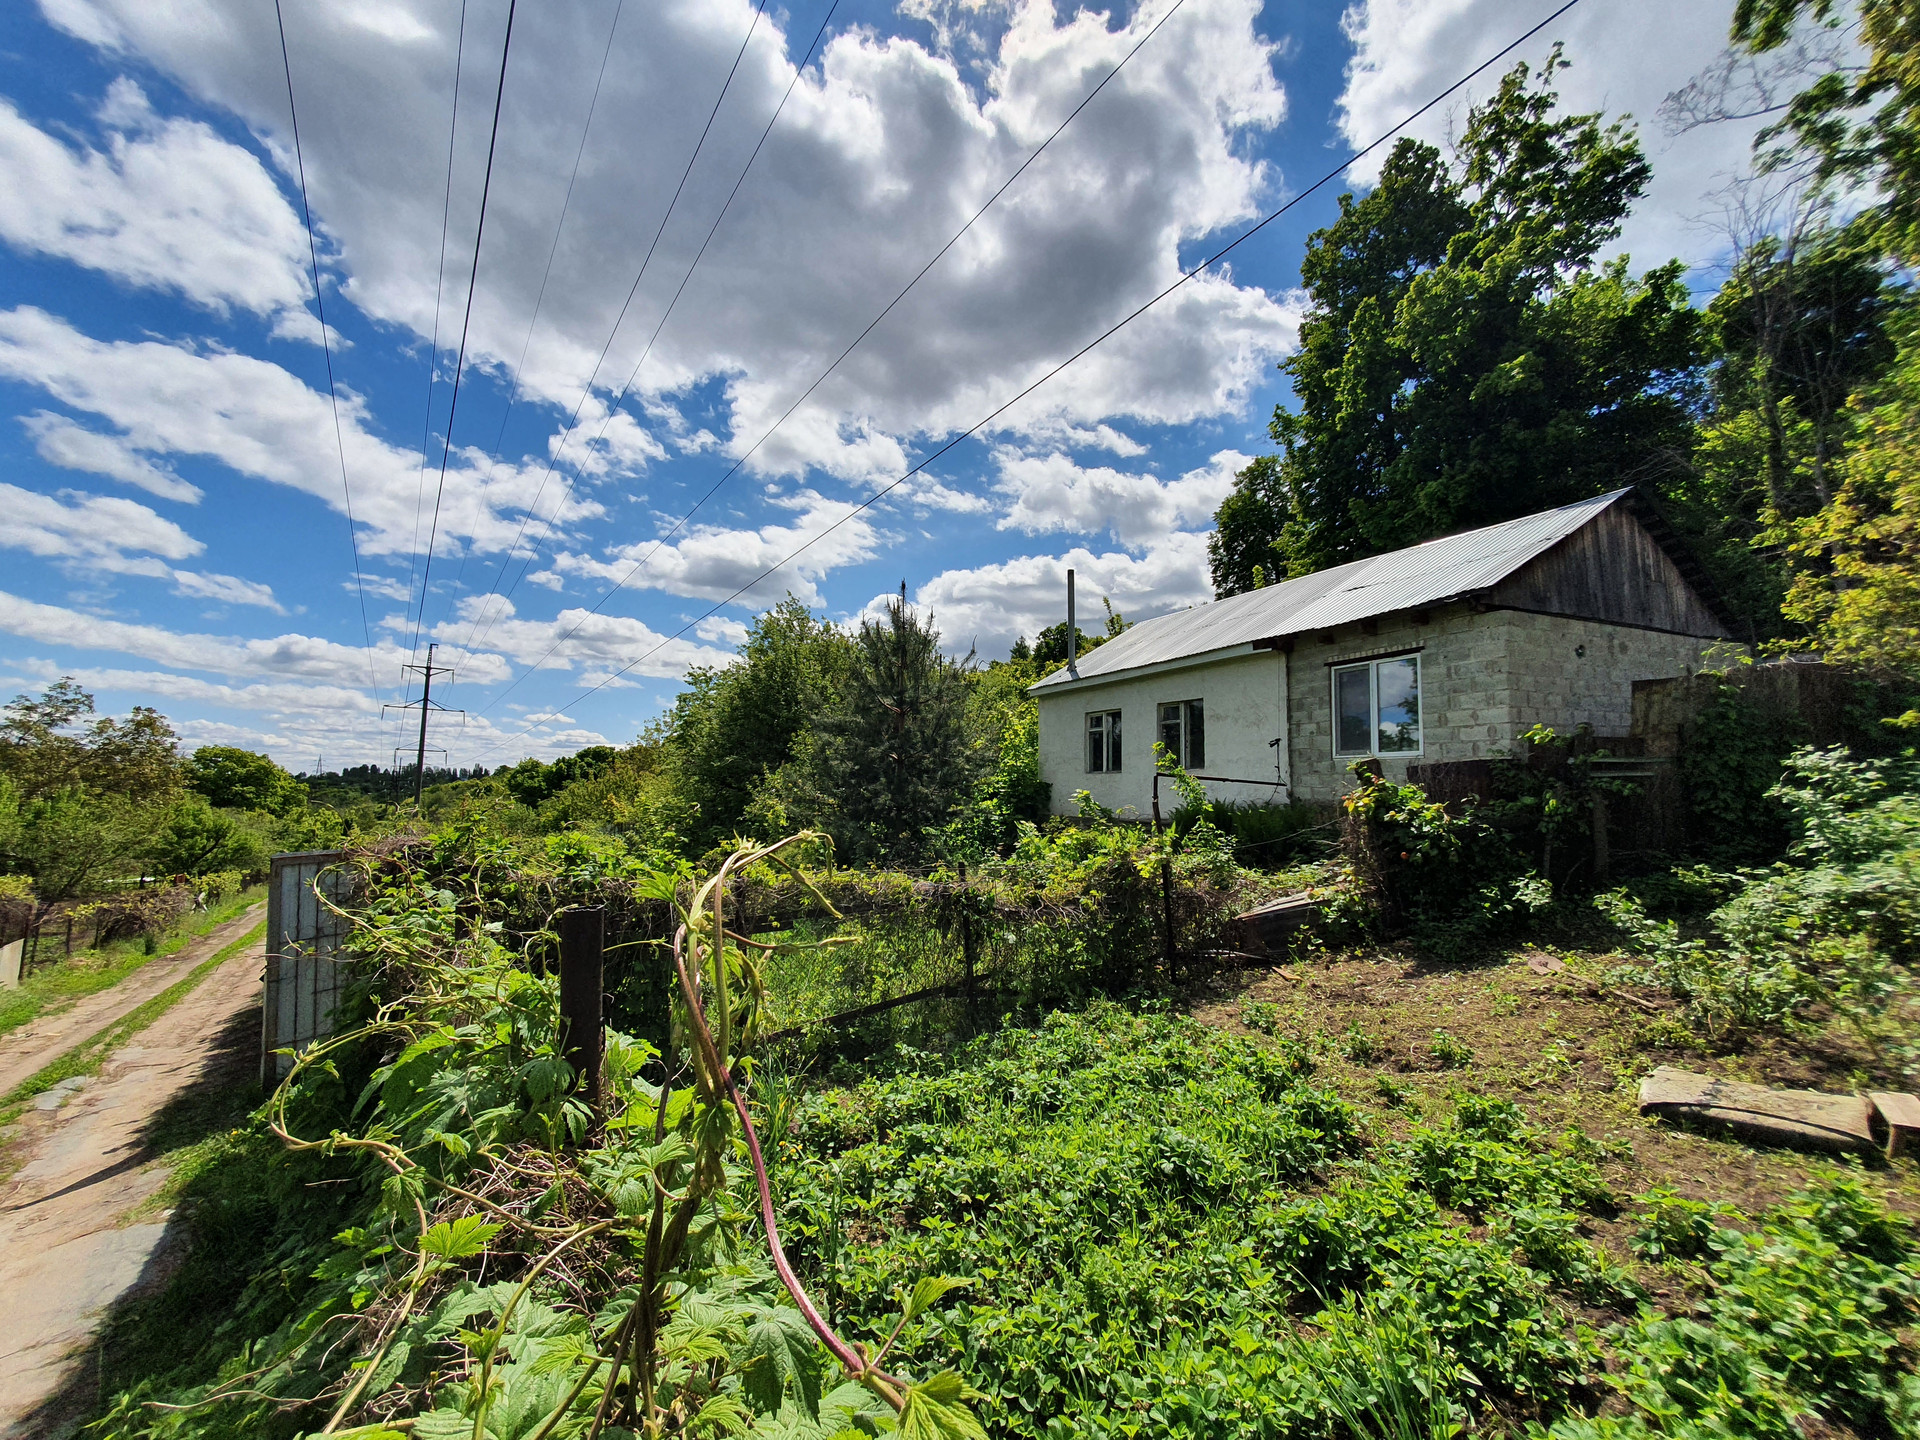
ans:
(525, 1269)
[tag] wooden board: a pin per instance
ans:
(1270, 926)
(1612, 568)
(1902, 1114)
(1804, 1117)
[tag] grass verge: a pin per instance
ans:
(90, 1054)
(87, 972)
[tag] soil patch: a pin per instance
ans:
(1405, 1037)
(78, 1228)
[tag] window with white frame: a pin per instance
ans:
(1183, 732)
(1376, 707)
(1103, 741)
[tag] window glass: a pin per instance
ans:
(1397, 684)
(1196, 752)
(1352, 711)
(1103, 741)
(1170, 733)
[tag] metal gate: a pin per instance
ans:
(305, 971)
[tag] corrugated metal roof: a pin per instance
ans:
(1420, 575)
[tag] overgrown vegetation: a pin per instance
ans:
(1826, 935)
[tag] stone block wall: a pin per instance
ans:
(1569, 673)
(1485, 678)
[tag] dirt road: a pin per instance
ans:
(67, 1252)
(31, 1048)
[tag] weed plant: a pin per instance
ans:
(513, 1264)
(1829, 934)
(1177, 1233)
(1146, 1228)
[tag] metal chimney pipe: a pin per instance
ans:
(1073, 631)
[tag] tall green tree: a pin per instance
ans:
(234, 779)
(1800, 325)
(1859, 592)
(734, 725)
(1466, 358)
(895, 757)
(197, 839)
(1835, 319)
(48, 743)
(1859, 123)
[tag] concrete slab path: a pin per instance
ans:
(73, 1240)
(30, 1049)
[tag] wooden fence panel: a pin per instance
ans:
(305, 970)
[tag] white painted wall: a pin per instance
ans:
(1244, 695)
(1486, 677)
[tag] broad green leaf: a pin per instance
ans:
(454, 1145)
(936, 1410)
(928, 1292)
(721, 1415)
(391, 1365)
(459, 1239)
(780, 1349)
(442, 1425)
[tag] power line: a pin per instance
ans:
(665, 315)
(473, 285)
(326, 345)
(587, 392)
(1099, 339)
(566, 204)
(439, 289)
(821, 378)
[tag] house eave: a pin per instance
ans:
(1041, 689)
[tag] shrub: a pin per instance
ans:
(1452, 879)
(1835, 926)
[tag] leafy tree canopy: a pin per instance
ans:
(1860, 593)
(235, 779)
(1465, 359)
(733, 725)
(198, 839)
(533, 781)
(1861, 124)
(48, 744)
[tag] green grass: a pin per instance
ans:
(87, 972)
(90, 1054)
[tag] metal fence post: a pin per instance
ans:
(968, 949)
(1166, 905)
(583, 935)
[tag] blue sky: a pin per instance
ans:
(173, 522)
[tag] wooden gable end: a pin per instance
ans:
(1613, 568)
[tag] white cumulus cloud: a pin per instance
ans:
(882, 152)
(1628, 56)
(989, 606)
(165, 205)
(1053, 493)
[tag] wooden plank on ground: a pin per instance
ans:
(1805, 1117)
(1902, 1114)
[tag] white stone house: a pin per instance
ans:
(1450, 650)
